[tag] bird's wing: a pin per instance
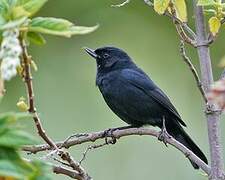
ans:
(139, 79)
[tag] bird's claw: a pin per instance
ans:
(164, 135)
(109, 133)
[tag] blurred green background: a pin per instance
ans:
(69, 102)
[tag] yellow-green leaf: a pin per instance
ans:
(22, 106)
(32, 6)
(18, 12)
(181, 9)
(36, 38)
(214, 25)
(160, 6)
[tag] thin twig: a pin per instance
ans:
(123, 133)
(75, 165)
(95, 146)
(180, 27)
(122, 4)
(193, 70)
(77, 135)
(61, 162)
(184, 25)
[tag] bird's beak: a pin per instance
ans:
(91, 52)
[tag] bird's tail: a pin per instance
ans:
(180, 135)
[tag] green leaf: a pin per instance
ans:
(8, 168)
(11, 164)
(9, 154)
(206, 2)
(36, 38)
(32, 6)
(160, 6)
(50, 23)
(79, 30)
(6, 119)
(13, 24)
(57, 26)
(41, 172)
(21, 2)
(11, 2)
(15, 138)
(2, 20)
(4, 9)
(11, 117)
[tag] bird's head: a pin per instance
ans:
(110, 58)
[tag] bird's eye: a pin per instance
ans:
(105, 55)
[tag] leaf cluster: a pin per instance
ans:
(12, 137)
(19, 14)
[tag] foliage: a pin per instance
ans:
(11, 139)
(215, 8)
(178, 7)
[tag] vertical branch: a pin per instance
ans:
(212, 115)
(30, 92)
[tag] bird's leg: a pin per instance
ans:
(109, 133)
(163, 135)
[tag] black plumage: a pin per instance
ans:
(135, 98)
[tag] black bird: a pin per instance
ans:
(134, 97)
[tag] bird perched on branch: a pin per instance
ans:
(136, 99)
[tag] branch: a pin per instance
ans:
(30, 93)
(62, 170)
(91, 137)
(65, 171)
(75, 165)
(193, 70)
(212, 115)
(122, 4)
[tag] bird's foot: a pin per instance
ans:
(109, 133)
(164, 135)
